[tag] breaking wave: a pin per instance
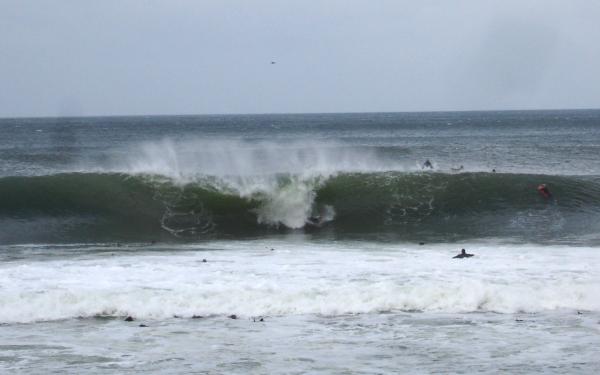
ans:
(113, 206)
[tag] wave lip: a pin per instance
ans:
(89, 207)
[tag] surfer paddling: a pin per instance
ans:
(463, 254)
(427, 164)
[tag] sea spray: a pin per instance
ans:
(189, 159)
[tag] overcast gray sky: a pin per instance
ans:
(117, 57)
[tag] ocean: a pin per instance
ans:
(301, 243)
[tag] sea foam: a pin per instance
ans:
(248, 279)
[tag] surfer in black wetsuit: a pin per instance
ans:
(463, 254)
(427, 164)
(314, 221)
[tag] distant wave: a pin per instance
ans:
(110, 206)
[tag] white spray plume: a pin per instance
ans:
(188, 159)
(251, 169)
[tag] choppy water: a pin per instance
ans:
(311, 222)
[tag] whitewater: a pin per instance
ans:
(277, 278)
(301, 243)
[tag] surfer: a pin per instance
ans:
(463, 254)
(315, 221)
(544, 191)
(427, 164)
(458, 169)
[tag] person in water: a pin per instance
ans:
(427, 164)
(544, 191)
(463, 254)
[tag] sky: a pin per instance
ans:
(143, 57)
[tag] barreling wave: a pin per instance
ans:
(411, 206)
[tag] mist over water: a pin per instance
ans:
(224, 158)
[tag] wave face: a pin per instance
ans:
(89, 207)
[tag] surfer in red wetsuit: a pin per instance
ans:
(544, 191)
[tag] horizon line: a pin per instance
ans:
(295, 113)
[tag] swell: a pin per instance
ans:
(89, 207)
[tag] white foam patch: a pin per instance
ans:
(248, 279)
(290, 205)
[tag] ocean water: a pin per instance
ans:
(323, 235)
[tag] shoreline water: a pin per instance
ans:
(516, 308)
(371, 343)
